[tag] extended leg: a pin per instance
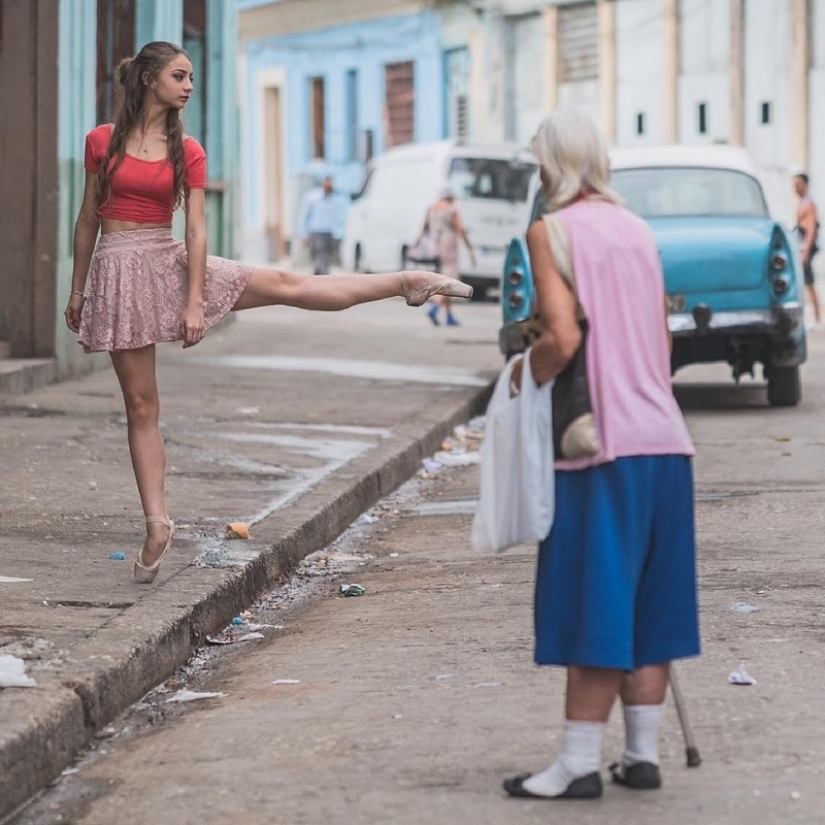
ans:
(135, 370)
(340, 291)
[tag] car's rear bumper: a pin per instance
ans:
(781, 320)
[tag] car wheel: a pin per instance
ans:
(784, 387)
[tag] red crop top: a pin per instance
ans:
(142, 191)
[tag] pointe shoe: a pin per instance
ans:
(146, 574)
(434, 284)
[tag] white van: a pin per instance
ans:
(492, 186)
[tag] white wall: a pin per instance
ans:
(639, 68)
(767, 79)
(704, 57)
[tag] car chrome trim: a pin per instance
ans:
(685, 322)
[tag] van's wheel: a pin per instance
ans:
(784, 386)
(358, 258)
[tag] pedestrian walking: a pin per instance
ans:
(443, 223)
(807, 227)
(136, 286)
(615, 598)
(321, 226)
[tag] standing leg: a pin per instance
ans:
(643, 696)
(135, 370)
(591, 692)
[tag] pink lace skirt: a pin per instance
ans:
(137, 289)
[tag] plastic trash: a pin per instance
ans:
(13, 580)
(118, 555)
(237, 620)
(13, 673)
(287, 682)
(744, 607)
(353, 590)
(185, 695)
(368, 518)
(249, 637)
(219, 640)
(431, 465)
(741, 676)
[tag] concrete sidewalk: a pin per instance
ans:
(297, 444)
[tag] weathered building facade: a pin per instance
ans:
(746, 72)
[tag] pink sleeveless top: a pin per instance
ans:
(621, 287)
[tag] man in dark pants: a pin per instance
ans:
(807, 226)
(320, 223)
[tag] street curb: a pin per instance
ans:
(132, 654)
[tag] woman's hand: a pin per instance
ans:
(74, 309)
(192, 326)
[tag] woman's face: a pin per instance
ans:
(173, 85)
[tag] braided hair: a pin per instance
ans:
(132, 71)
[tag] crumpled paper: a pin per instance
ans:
(13, 673)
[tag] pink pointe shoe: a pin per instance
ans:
(431, 283)
(145, 574)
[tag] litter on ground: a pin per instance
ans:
(741, 676)
(13, 673)
(185, 695)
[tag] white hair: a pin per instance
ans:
(573, 158)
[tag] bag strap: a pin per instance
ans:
(562, 256)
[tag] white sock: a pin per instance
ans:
(642, 724)
(580, 755)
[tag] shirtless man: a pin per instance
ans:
(807, 225)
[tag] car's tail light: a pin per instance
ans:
(515, 277)
(515, 299)
(781, 284)
(779, 260)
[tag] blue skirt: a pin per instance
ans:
(616, 579)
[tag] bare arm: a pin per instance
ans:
(85, 235)
(560, 333)
(807, 223)
(192, 322)
(458, 226)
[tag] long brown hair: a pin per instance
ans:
(151, 60)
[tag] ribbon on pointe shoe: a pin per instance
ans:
(439, 285)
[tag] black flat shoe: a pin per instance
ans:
(641, 776)
(585, 787)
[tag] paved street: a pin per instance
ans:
(409, 704)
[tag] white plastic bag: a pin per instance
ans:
(517, 496)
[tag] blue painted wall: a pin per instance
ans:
(364, 46)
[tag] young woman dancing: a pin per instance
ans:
(137, 286)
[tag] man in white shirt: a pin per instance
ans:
(321, 226)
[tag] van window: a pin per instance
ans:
(495, 179)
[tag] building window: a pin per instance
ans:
(703, 119)
(317, 125)
(765, 113)
(352, 115)
(400, 102)
(578, 41)
(457, 90)
(115, 40)
(194, 41)
(640, 123)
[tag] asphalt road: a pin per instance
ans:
(409, 704)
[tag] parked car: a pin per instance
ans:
(492, 184)
(732, 272)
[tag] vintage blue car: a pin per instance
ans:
(732, 273)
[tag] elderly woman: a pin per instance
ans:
(616, 582)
